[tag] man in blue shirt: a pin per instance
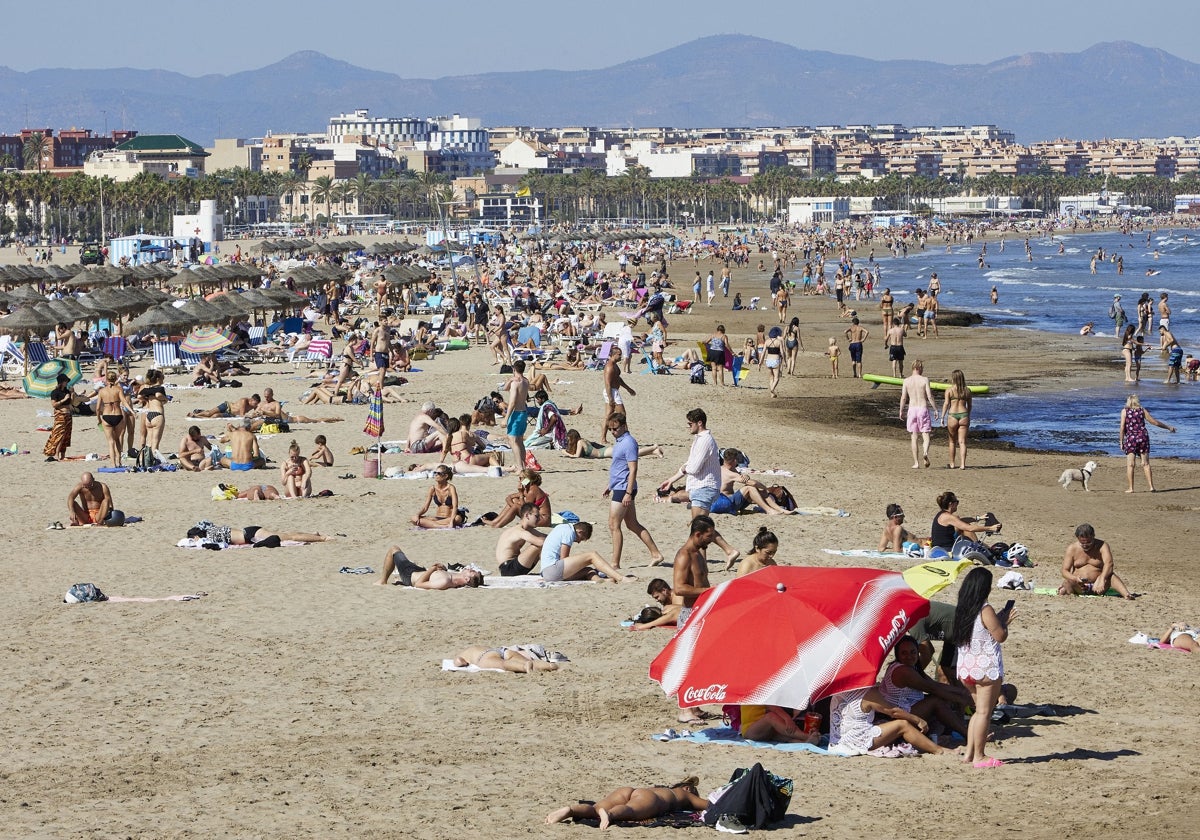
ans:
(559, 564)
(622, 487)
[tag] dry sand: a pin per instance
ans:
(295, 701)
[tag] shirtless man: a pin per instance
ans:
(436, 576)
(916, 394)
(68, 342)
(613, 383)
(893, 342)
(856, 334)
(1087, 567)
(894, 533)
(517, 390)
(739, 491)
(520, 545)
(244, 452)
(381, 348)
(193, 451)
(690, 582)
(90, 503)
(234, 408)
(425, 434)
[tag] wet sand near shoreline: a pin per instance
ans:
(294, 701)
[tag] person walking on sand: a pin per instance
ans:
(690, 581)
(622, 489)
(1135, 439)
(517, 390)
(613, 383)
(956, 416)
(856, 335)
(62, 401)
(916, 395)
(893, 342)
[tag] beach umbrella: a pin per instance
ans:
(26, 294)
(158, 318)
(205, 340)
(791, 635)
(29, 318)
(43, 379)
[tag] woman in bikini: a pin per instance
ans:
(956, 414)
(296, 474)
(443, 497)
(111, 405)
(580, 447)
(772, 355)
(153, 398)
(465, 445)
(793, 344)
(529, 491)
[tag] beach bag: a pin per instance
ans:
(146, 458)
(757, 797)
(973, 550)
(697, 374)
(782, 496)
(82, 593)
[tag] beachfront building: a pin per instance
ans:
(535, 156)
(199, 229)
(235, 153)
(165, 155)
(68, 149)
(1101, 203)
(824, 209)
(508, 209)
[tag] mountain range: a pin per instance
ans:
(1117, 89)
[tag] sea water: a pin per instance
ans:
(1057, 293)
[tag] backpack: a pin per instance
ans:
(81, 593)
(146, 458)
(697, 374)
(758, 798)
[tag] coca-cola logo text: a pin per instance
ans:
(709, 694)
(899, 622)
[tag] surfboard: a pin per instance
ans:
(876, 379)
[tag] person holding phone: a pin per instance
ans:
(978, 633)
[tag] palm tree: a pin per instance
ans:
(322, 191)
(34, 150)
(289, 184)
(363, 187)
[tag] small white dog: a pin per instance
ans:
(1082, 476)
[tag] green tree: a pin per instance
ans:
(35, 149)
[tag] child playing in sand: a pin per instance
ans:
(321, 456)
(833, 353)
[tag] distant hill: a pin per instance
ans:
(1115, 89)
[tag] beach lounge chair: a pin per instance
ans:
(166, 357)
(320, 351)
(258, 336)
(117, 346)
(37, 353)
(189, 359)
(651, 365)
(12, 357)
(601, 357)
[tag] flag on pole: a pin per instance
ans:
(523, 192)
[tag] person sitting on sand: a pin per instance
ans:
(254, 535)
(894, 535)
(425, 432)
(529, 491)
(443, 496)
(909, 688)
(466, 446)
(631, 804)
(761, 554)
(296, 474)
(558, 564)
(853, 731)
(194, 451)
(1087, 567)
(520, 546)
(321, 456)
(775, 725)
(232, 408)
(244, 454)
(661, 591)
(90, 503)
(519, 659)
(436, 576)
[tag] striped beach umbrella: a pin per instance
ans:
(205, 340)
(43, 379)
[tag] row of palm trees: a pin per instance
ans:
(40, 203)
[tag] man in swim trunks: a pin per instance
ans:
(856, 334)
(244, 454)
(436, 576)
(425, 433)
(517, 390)
(893, 341)
(381, 338)
(916, 395)
(1087, 567)
(194, 451)
(90, 503)
(690, 582)
(558, 564)
(613, 383)
(520, 545)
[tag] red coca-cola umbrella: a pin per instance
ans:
(790, 635)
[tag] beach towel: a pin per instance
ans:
(527, 582)
(201, 543)
(1051, 590)
(729, 737)
(448, 665)
(866, 552)
(1142, 639)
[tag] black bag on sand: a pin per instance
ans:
(755, 796)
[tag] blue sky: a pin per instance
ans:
(431, 39)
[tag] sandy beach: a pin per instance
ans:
(294, 701)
